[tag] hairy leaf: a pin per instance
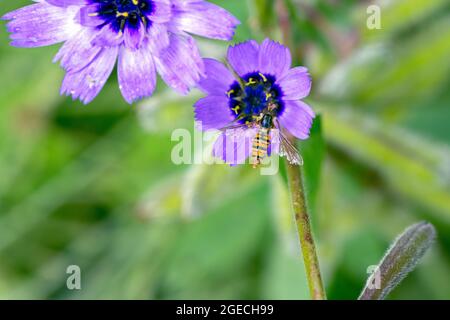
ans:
(401, 258)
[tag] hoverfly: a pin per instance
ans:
(268, 133)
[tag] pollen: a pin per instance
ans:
(268, 96)
(236, 109)
(229, 93)
(135, 2)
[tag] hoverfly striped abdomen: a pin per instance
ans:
(260, 146)
(262, 139)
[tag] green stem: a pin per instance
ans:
(297, 192)
(304, 232)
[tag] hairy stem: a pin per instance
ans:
(304, 232)
(297, 191)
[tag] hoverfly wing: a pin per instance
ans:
(287, 149)
(235, 125)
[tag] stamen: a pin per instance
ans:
(144, 22)
(250, 82)
(263, 77)
(122, 14)
(258, 96)
(122, 26)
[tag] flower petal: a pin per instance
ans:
(158, 37)
(66, 3)
(296, 84)
(274, 58)
(136, 72)
(203, 19)
(87, 83)
(78, 52)
(218, 79)
(212, 112)
(41, 24)
(297, 118)
(234, 146)
(88, 16)
(107, 37)
(180, 64)
(243, 57)
(162, 11)
(133, 36)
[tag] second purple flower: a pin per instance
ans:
(144, 36)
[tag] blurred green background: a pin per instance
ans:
(94, 185)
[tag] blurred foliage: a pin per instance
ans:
(94, 185)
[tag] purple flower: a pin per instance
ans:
(255, 103)
(144, 36)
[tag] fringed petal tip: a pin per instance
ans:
(6, 17)
(180, 64)
(244, 57)
(274, 58)
(87, 83)
(296, 84)
(204, 19)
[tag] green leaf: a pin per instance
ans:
(401, 258)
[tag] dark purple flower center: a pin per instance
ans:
(259, 94)
(121, 14)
